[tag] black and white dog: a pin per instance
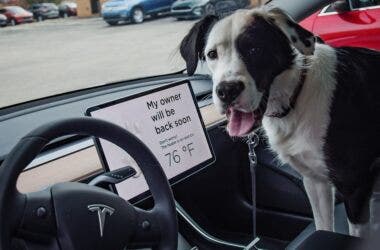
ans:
(319, 106)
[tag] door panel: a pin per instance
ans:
(153, 6)
(148, 5)
(281, 182)
(95, 6)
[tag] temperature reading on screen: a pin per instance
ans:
(174, 157)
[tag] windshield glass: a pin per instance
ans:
(16, 10)
(87, 43)
(72, 5)
(50, 5)
(86, 47)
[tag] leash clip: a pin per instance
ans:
(253, 141)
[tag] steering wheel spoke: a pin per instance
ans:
(38, 220)
(148, 231)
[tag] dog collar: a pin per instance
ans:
(294, 97)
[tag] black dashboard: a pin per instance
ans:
(16, 121)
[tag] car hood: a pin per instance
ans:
(24, 14)
(53, 8)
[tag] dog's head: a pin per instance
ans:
(245, 52)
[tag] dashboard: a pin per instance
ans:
(16, 121)
(75, 159)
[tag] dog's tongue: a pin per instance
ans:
(239, 123)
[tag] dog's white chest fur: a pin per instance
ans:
(298, 138)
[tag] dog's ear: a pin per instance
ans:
(193, 44)
(302, 39)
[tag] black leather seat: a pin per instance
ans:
(341, 226)
(332, 241)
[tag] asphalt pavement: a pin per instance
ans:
(56, 56)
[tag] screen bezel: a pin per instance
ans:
(174, 180)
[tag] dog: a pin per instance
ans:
(318, 105)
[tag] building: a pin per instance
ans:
(87, 8)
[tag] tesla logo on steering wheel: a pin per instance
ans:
(102, 211)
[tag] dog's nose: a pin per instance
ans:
(229, 91)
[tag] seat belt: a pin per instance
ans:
(253, 141)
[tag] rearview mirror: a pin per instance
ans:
(341, 6)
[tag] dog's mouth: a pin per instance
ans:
(241, 123)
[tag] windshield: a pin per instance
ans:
(86, 45)
(90, 43)
(50, 5)
(72, 5)
(16, 10)
(95, 42)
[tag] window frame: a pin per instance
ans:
(324, 9)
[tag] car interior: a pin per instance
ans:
(59, 167)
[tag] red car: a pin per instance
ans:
(348, 23)
(16, 15)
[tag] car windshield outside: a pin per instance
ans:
(87, 43)
(70, 4)
(16, 10)
(50, 5)
(48, 51)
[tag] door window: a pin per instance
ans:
(356, 4)
(330, 8)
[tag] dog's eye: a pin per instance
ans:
(212, 54)
(255, 50)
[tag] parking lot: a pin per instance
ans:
(61, 55)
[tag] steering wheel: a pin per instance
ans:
(72, 215)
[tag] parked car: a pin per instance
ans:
(191, 9)
(67, 9)
(16, 15)
(3, 20)
(114, 11)
(42, 11)
(355, 23)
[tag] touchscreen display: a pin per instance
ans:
(168, 121)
